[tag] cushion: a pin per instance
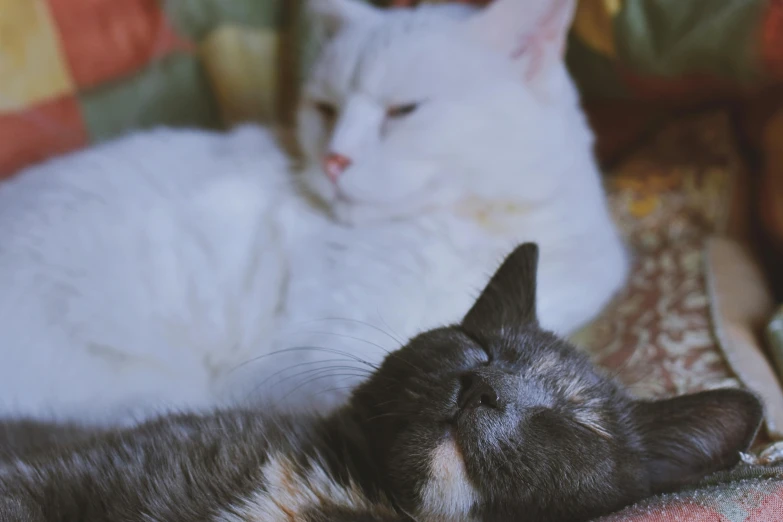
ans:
(661, 334)
(73, 72)
(689, 318)
(665, 49)
(681, 51)
(741, 304)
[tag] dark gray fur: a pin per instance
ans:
(543, 436)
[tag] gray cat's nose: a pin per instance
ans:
(476, 391)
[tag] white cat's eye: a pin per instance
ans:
(399, 111)
(326, 109)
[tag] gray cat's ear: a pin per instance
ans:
(337, 14)
(509, 298)
(687, 438)
(533, 33)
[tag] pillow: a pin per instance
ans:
(670, 198)
(667, 49)
(681, 51)
(73, 72)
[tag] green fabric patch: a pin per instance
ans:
(594, 73)
(172, 91)
(196, 18)
(675, 37)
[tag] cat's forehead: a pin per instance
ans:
(404, 49)
(528, 351)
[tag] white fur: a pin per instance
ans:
(289, 491)
(143, 273)
(448, 495)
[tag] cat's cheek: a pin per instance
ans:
(350, 214)
(317, 184)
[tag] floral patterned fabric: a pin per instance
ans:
(668, 199)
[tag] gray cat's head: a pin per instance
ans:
(497, 419)
(410, 109)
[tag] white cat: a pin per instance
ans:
(185, 269)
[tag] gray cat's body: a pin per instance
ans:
(493, 419)
(229, 466)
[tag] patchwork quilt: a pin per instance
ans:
(76, 71)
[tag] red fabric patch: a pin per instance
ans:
(770, 508)
(679, 512)
(772, 39)
(107, 39)
(39, 132)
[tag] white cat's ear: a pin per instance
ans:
(337, 14)
(530, 32)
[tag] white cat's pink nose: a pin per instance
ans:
(335, 164)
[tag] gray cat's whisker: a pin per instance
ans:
(387, 325)
(321, 377)
(398, 341)
(338, 388)
(280, 373)
(351, 337)
(312, 371)
(305, 348)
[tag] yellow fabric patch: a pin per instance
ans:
(242, 67)
(32, 65)
(594, 24)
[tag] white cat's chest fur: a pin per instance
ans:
(405, 273)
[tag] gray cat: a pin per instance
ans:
(490, 419)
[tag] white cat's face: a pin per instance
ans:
(412, 109)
